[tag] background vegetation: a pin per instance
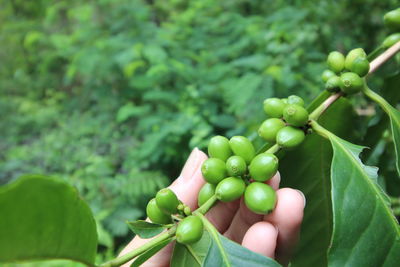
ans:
(112, 95)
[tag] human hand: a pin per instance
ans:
(274, 235)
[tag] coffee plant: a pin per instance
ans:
(44, 218)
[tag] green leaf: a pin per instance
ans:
(311, 175)
(149, 253)
(394, 116)
(44, 218)
(365, 231)
(191, 255)
(146, 229)
(224, 252)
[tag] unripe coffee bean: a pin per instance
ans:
(327, 74)
(335, 61)
(155, 214)
(351, 83)
(263, 167)
(260, 198)
(391, 40)
(273, 107)
(294, 99)
(289, 137)
(205, 193)
(269, 128)
(167, 201)
(392, 20)
(219, 148)
(213, 170)
(236, 166)
(360, 66)
(230, 189)
(242, 146)
(189, 230)
(295, 115)
(334, 84)
(352, 55)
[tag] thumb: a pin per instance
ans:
(186, 187)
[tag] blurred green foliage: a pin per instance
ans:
(112, 95)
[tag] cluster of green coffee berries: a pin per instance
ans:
(287, 118)
(345, 73)
(392, 22)
(166, 207)
(234, 170)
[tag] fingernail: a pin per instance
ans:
(190, 165)
(304, 197)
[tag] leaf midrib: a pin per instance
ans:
(216, 238)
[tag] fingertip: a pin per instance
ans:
(275, 181)
(287, 217)
(189, 183)
(289, 208)
(261, 238)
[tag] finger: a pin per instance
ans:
(244, 218)
(189, 183)
(222, 214)
(287, 217)
(261, 238)
(186, 187)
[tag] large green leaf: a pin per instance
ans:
(44, 218)
(365, 232)
(191, 255)
(394, 116)
(224, 252)
(307, 169)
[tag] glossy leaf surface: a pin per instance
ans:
(365, 232)
(44, 218)
(311, 175)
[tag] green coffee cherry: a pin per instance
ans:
(289, 137)
(391, 40)
(236, 166)
(189, 230)
(269, 128)
(263, 167)
(352, 55)
(295, 115)
(327, 74)
(205, 193)
(360, 66)
(294, 99)
(260, 198)
(241, 146)
(213, 170)
(333, 84)
(155, 214)
(335, 61)
(219, 148)
(351, 83)
(273, 107)
(167, 201)
(392, 19)
(230, 189)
